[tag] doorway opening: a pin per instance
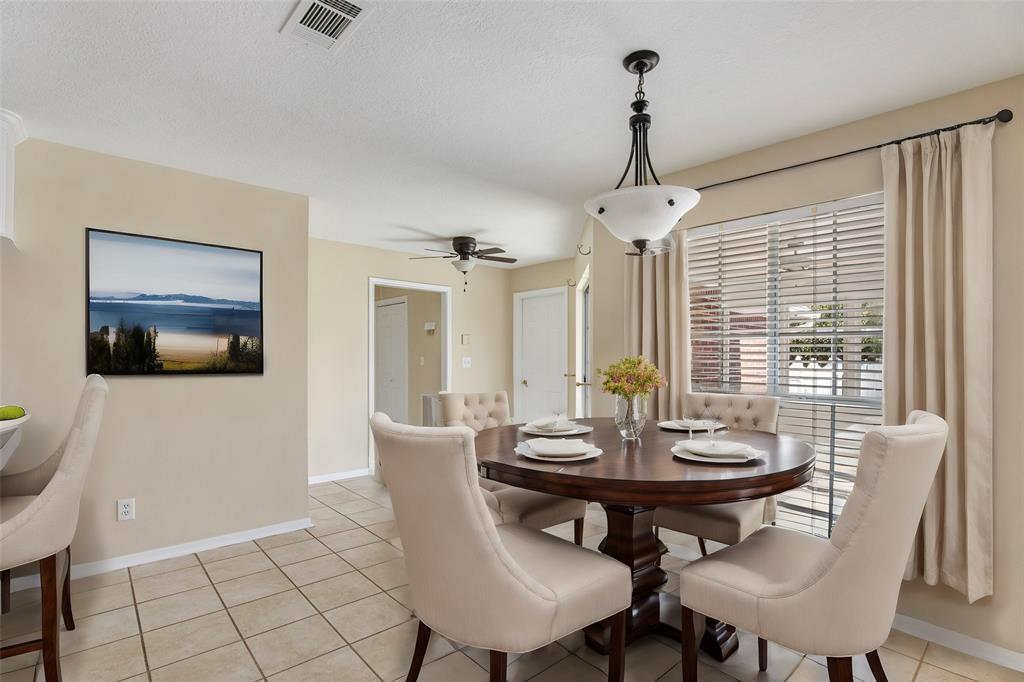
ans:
(410, 350)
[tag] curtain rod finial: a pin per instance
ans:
(1004, 116)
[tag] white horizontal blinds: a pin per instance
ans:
(790, 304)
(728, 271)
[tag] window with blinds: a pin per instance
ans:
(790, 304)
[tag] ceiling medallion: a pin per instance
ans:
(644, 214)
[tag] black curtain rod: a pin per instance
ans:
(1003, 116)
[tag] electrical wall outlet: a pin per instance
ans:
(126, 509)
(467, 362)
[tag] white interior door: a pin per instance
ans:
(391, 359)
(541, 352)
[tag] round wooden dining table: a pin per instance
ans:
(632, 478)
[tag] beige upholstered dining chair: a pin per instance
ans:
(481, 581)
(38, 518)
(835, 597)
(731, 522)
(481, 411)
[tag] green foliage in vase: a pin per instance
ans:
(631, 376)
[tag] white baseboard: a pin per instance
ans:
(127, 560)
(338, 476)
(960, 642)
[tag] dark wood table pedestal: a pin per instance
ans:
(631, 541)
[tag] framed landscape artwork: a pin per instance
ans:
(165, 306)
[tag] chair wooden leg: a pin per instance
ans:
(762, 654)
(422, 639)
(703, 547)
(5, 591)
(688, 638)
(840, 669)
(577, 531)
(876, 666)
(499, 666)
(65, 597)
(617, 647)
(51, 621)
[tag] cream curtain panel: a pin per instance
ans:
(658, 322)
(938, 338)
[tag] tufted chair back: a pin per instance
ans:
(736, 411)
(478, 411)
(464, 582)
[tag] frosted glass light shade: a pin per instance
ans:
(464, 266)
(643, 212)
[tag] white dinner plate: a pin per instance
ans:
(713, 448)
(683, 453)
(698, 425)
(525, 451)
(576, 430)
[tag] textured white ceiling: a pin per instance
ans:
(488, 118)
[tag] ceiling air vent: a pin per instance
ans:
(322, 23)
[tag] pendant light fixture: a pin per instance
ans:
(641, 214)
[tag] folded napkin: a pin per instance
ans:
(8, 412)
(558, 422)
(718, 449)
(566, 447)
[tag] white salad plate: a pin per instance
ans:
(744, 454)
(574, 430)
(526, 451)
(691, 425)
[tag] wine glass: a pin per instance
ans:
(709, 421)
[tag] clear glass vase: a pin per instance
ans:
(630, 416)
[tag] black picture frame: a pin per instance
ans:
(89, 231)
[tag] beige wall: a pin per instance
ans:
(338, 340)
(202, 455)
(425, 363)
(1000, 618)
(548, 275)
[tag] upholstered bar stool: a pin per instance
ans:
(481, 411)
(731, 522)
(835, 597)
(497, 586)
(38, 518)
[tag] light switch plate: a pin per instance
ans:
(467, 362)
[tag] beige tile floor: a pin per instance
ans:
(331, 603)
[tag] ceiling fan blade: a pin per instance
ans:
(490, 251)
(499, 259)
(429, 257)
(442, 251)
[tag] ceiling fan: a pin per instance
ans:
(465, 252)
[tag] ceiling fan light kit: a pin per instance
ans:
(643, 213)
(465, 254)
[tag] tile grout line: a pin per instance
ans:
(231, 619)
(383, 591)
(138, 622)
(321, 613)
